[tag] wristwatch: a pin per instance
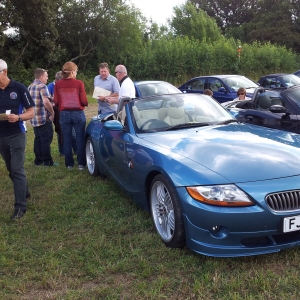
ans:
(20, 119)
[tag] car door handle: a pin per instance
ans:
(249, 118)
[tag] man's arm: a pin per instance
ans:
(27, 115)
(48, 105)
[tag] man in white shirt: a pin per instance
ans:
(127, 88)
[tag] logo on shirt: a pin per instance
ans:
(13, 95)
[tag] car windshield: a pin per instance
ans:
(177, 111)
(156, 88)
(235, 82)
(294, 94)
(290, 79)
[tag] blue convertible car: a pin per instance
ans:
(217, 186)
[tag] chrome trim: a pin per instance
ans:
(287, 201)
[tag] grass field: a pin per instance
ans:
(82, 238)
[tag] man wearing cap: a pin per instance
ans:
(15, 98)
(109, 83)
(42, 120)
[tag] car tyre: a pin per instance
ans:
(91, 158)
(166, 213)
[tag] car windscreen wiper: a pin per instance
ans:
(186, 125)
(227, 121)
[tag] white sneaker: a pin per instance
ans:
(81, 167)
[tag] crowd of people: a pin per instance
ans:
(62, 103)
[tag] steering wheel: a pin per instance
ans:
(148, 121)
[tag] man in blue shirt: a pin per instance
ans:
(14, 99)
(109, 83)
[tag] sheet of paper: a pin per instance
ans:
(98, 91)
(3, 117)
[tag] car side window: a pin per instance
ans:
(214, 84)
(196, 85)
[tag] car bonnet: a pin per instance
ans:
(237, 152)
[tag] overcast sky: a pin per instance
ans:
(159, 10)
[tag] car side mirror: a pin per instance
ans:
(278, 109)
(113, 125)
(222, 89)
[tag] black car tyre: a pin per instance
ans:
(166, 213)
(91, 158)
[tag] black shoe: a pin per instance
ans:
(18, 214)
(28, 196)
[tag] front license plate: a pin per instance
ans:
(291, 224)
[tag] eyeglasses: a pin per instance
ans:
(117, 72)
(2, 71)
(241, 94)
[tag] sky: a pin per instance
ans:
(159, 10)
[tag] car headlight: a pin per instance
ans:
(220, 195)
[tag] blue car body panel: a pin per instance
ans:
(257, 160)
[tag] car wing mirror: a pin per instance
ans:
(113, 125)
(278, 109)
(221, 89)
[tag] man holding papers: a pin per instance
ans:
(105, 85)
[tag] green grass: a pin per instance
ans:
(82, 238)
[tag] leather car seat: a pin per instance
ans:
(264, 101)
(176, 114)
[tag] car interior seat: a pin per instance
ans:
(176, 114)
(138, 119)
(121, 112)
(264, 101)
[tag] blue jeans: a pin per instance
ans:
(60, 144)
(42, 144)
(68, 120)
(12, 149)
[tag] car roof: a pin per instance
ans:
(221, 76)
(150, 81)
(276, 74)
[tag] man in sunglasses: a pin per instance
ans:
(241, 94)
(15, 98)
(127, 88)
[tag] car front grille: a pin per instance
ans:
(284, 201)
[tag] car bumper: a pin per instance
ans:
(243, 231)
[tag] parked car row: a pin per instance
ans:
(219, 186)
(224, 87)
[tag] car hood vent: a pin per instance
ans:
(284, 201)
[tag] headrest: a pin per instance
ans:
(264, 101)
(176, 112)
(136, 113)
(176, 103)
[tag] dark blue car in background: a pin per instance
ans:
(224, 87)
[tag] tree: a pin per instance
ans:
(228, 13)
(192, 23)
(33, 32)
(274, 22)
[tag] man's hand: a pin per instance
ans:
(12, 118)
(101, 98)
